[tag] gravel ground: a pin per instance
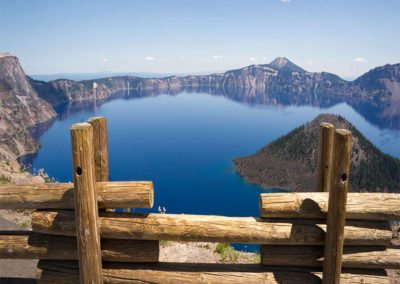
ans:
(15, 270)
(201, 253)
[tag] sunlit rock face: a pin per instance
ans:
(20, 109)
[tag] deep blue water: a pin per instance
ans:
(185, 144)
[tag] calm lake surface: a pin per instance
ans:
(185, 144)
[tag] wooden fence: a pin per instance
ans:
(78, 239)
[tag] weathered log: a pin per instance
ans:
(67, 272)
(138, 194)
(324, 166)
(176, 227)
(336, 217)
(100, 145)
(313, 256)
(38, 246)
(314, 205)
(86, 209)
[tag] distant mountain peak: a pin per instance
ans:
(284, 64)
(279, 62)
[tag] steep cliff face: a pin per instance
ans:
(290, 161)
(62, 90)
(51, 92)
(20, 109)
(379, 84)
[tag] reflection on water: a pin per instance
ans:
(383, 115)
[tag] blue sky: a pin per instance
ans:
(347, 37)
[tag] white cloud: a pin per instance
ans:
(286, 1)
(310, 63)
(360, 60)
(149, 58)
(105, 60)
(217, 57)
(182, 56)
(252, 59)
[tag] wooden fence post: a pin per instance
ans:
(86, 210)
(324, 163)
(100, 143)
(337, 207)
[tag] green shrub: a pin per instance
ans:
(164, 243)
(226, 252)
(4, 179)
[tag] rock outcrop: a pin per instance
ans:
(290, 161)
(20, 109)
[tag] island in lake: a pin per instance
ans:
(290, 162)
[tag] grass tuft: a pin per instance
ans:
(5, 180)
(226, 252)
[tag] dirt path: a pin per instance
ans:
(16, 270)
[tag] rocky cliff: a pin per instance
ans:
(20, 109)
(63, 90)
(290, 161)
(379, 84)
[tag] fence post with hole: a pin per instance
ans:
(337, 207)
(86, 210)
